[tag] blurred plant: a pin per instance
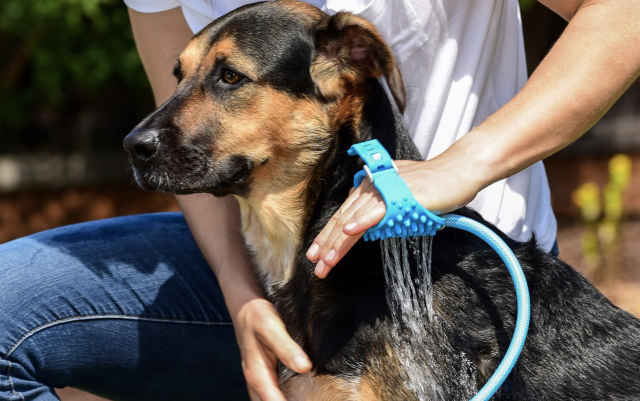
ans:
(602, 229)
(587, 198)
(525, 5)
(56, 48)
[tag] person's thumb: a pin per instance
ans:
(275, 337)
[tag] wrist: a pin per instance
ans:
(480, 158)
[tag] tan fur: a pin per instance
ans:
(273, 212)
(377, 382)
(189, 58)
(306, 13)
(271, 226)
(307, 387)
(264, 124)
(199, 60)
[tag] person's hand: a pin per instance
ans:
(436, 185)
(263, 340)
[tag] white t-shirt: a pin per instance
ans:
(460, 60)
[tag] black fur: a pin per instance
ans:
(580, 346)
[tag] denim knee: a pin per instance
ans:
(114, 275)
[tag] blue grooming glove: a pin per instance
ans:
(405, 217)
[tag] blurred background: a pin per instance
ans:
(72, 86)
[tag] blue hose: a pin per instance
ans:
(405, 217)
(522, 296)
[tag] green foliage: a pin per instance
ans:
(59, 56)
(525, 5)
(57, 51)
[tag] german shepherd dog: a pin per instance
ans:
(269, 99)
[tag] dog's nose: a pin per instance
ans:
(141, 144)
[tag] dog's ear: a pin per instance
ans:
(349, 51)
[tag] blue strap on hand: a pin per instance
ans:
(405, 217)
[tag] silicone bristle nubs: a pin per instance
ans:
(403, 224)
(405, 217)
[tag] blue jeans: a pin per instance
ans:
(555, 251)
(125, 308)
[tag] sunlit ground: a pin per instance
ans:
(618, 279)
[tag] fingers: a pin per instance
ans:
(276, 338)
(259, 368)
(354, 195)
(436, 184)
(264, 340)
(363, 209)
(334, 226)
(365, 218)
(340, 242)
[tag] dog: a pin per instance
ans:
(269, 99)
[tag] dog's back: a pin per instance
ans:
(579, 347)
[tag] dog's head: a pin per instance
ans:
(261, 93)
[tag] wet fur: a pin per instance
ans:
(278, 143)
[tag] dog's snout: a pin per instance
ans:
(141, 144)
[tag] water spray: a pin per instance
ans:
(405, 217)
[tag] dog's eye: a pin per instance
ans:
(177, 72)
(230, 77)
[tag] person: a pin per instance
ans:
(128, 308)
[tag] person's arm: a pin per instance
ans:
(215, 222)
(595, 60)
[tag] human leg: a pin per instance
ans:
(125, 308)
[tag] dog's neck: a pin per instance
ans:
(275, 219)
(271, 225)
